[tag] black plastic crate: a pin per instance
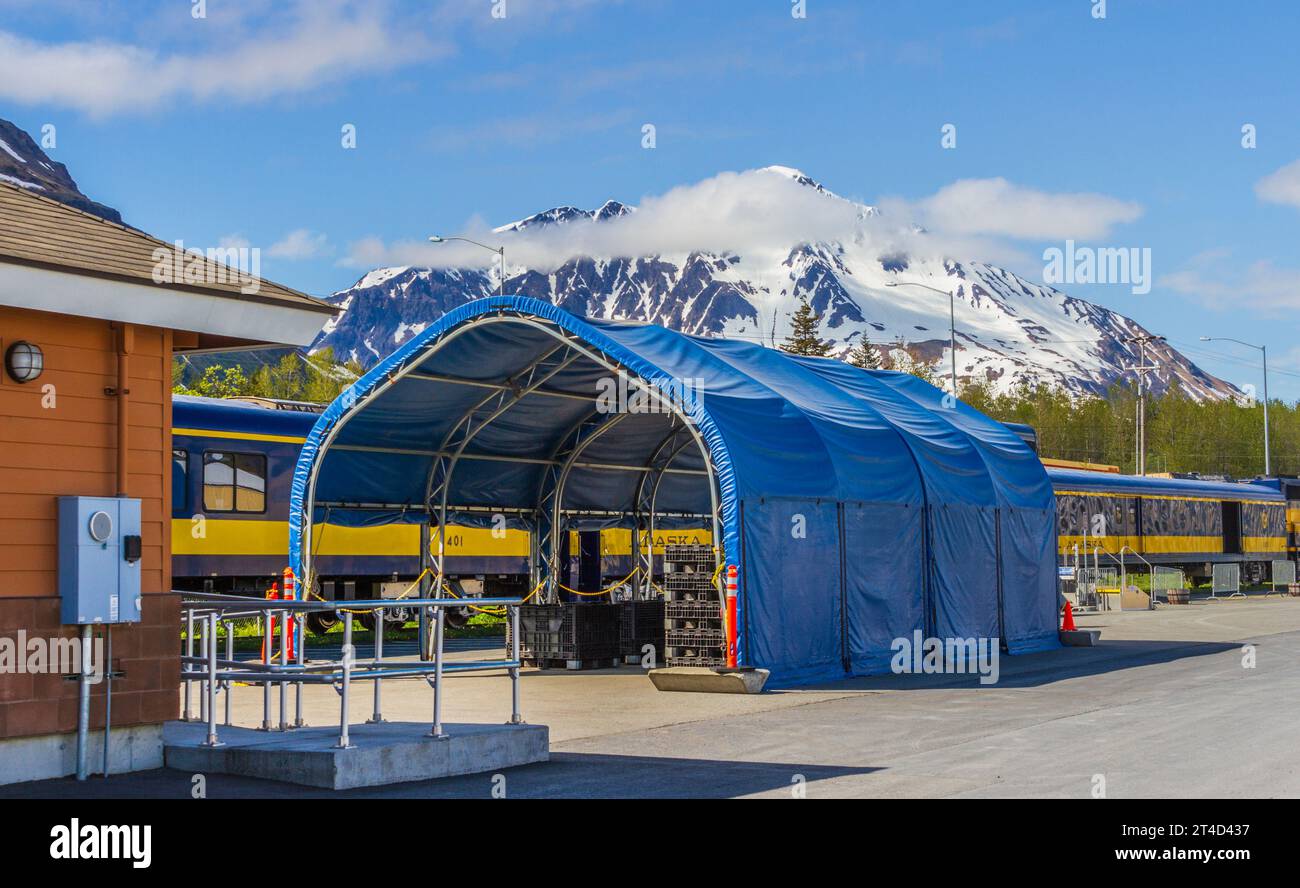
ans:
(692, 610)
(700, 557)
(570, 632)
(706, 638)
(677, 656)
(693, 596)
(641, 623)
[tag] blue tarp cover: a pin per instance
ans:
(860, 505)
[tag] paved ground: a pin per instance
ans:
(1164, 707)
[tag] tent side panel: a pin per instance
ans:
(963, 547)
(1029, 579)
(884, 580)
(792, 592)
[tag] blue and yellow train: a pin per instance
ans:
(232, 466)
(233, 461)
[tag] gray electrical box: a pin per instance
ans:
(99, 559)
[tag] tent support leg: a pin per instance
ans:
(426, 586)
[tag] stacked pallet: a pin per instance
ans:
(641, 623)
(571, 636)
(693, 627)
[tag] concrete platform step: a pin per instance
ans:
(393, 752)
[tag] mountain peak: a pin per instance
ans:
(610, 209)
(797, 175)
(23, 163)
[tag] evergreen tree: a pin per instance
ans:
(864, 355)
(803, 338)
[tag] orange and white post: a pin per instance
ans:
(732, 584)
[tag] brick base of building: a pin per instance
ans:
(42, 707)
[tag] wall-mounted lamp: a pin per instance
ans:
(24, 361)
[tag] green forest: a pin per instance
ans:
(316, 377)
(1182, 435)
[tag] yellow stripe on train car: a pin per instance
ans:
(216, 536)
(1263, 544)
(618, 540)
(1161, 496)
(1111, 544)
(1168, 545)
(238, 436)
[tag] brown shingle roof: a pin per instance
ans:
(36, 230)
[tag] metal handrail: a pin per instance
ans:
(1123, 572)
(215, 673)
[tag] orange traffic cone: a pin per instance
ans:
(1067, 624)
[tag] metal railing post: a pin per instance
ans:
(301, 642)
(515, 717)
(347, 681)
(284, 661)
(203, 685)
(437, 732)
(211, 634)
(378, 617)
(227, 685)
(189, 652)
(267, 639)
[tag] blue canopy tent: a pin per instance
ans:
(859, 506)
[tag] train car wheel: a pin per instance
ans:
(321, 622)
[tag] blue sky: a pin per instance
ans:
(229, 125)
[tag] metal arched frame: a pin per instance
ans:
(566, 338)
(645, 507)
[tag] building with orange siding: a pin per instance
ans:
(104, 307)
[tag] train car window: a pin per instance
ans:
(180, 481)
(234, 482)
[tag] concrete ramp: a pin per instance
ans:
(704, 680)
(393, 752)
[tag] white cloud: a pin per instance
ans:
(298, 244)
(321, 42)
(760, 211)
(233, 242)
(1281, 186)
(1216, 280)
(998, 208)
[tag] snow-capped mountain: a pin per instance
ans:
(1009, 329)
(23, 163)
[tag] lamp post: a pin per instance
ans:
(952, 320)
(1263, 350)
(500, 251)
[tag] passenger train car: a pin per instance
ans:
(1189, 524)
(1289, 488)
(233, 461)
(232, 466)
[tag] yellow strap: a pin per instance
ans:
(602, 591)
(492, 611)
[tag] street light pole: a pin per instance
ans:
(952, 320)
(500, 251)
(1263, 350)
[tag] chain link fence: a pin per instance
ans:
(1282, 575)
(1225, 581)
(1165, 580)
